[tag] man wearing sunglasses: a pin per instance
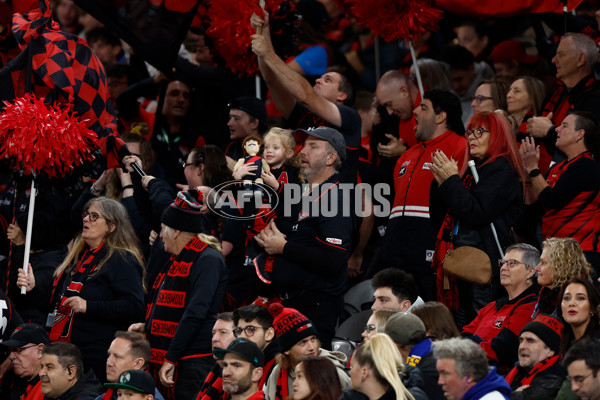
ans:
(254, 323)
(24, 350)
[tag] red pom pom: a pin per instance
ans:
(396, 19)
(275, 309)
(231, 32)
(38, 137)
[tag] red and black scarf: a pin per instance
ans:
(63, 315)
(282, 390)
(447, 290)
(539, 367)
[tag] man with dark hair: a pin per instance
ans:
(62, 374)
(128, 351)
(24, 349)
(538, 374)
(410, 236)
(583, 362)
(465, 76)
(255, 323)
(222, 336)
(395, 289)
(107, 46)
(327, 103)
(410, 335)
(242, 364)
(247, 117)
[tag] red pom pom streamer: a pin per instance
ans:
(38, 137)
(396, 19)
(231, 32)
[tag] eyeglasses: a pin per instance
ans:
(92, 215)
(480, 99)
(186, 164)
(579, 379)
(510, 263)
(369, 328)
(248, 329)
(19, 350)
(477, 132)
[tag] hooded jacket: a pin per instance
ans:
(492, 387)
(336, 357)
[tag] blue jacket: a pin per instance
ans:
(490, 383)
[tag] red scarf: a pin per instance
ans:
(282, 390)
(63, 314)
(539, 367)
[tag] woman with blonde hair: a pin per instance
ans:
(375, 370)
(376, 322)
(98, 289)
(562, 259)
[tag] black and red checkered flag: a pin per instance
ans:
(59, 67)
(154, 29)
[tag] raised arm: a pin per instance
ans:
(286, 85)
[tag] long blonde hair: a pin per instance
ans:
(381, 355)
(121, 239)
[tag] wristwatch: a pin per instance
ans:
(534, 173)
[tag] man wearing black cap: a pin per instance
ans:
(25, 353)
(186, 296)
(247, 116)
(242, 364)
(327, 103)
(134, 384)
(308, 247)
(538, 374)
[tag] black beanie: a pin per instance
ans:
(548, 329)
(185, 213)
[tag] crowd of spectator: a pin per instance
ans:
(225, 269)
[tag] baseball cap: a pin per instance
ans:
(134, 379)
(253, 106)
(27, 333)
(402, 326)
(333, 136)
(244, 348)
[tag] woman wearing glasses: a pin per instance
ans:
(498, 325)
(376, 322)
(471, 207)
(98, 288)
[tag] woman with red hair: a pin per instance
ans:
(470, 207)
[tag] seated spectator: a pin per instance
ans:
(579, 312)
(297, 338)
(376, 322)
(394, 289)
(24, 350)
(561, 260)
(582, 362)
(374, 371)
(242, 364)
(129, 351)
(497, 325)
(464, 372)
(62, 374)
(538, 375)
(316, 378)
(133, 385)
(568, 197)
(490, 95)
(408, 333)
(222, 336)
(255, 323)
(438, 320)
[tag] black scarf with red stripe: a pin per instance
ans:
(63, 315)
(527, 378)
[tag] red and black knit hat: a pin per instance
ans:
(290, 325)
(548, 329)
(185, 212)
